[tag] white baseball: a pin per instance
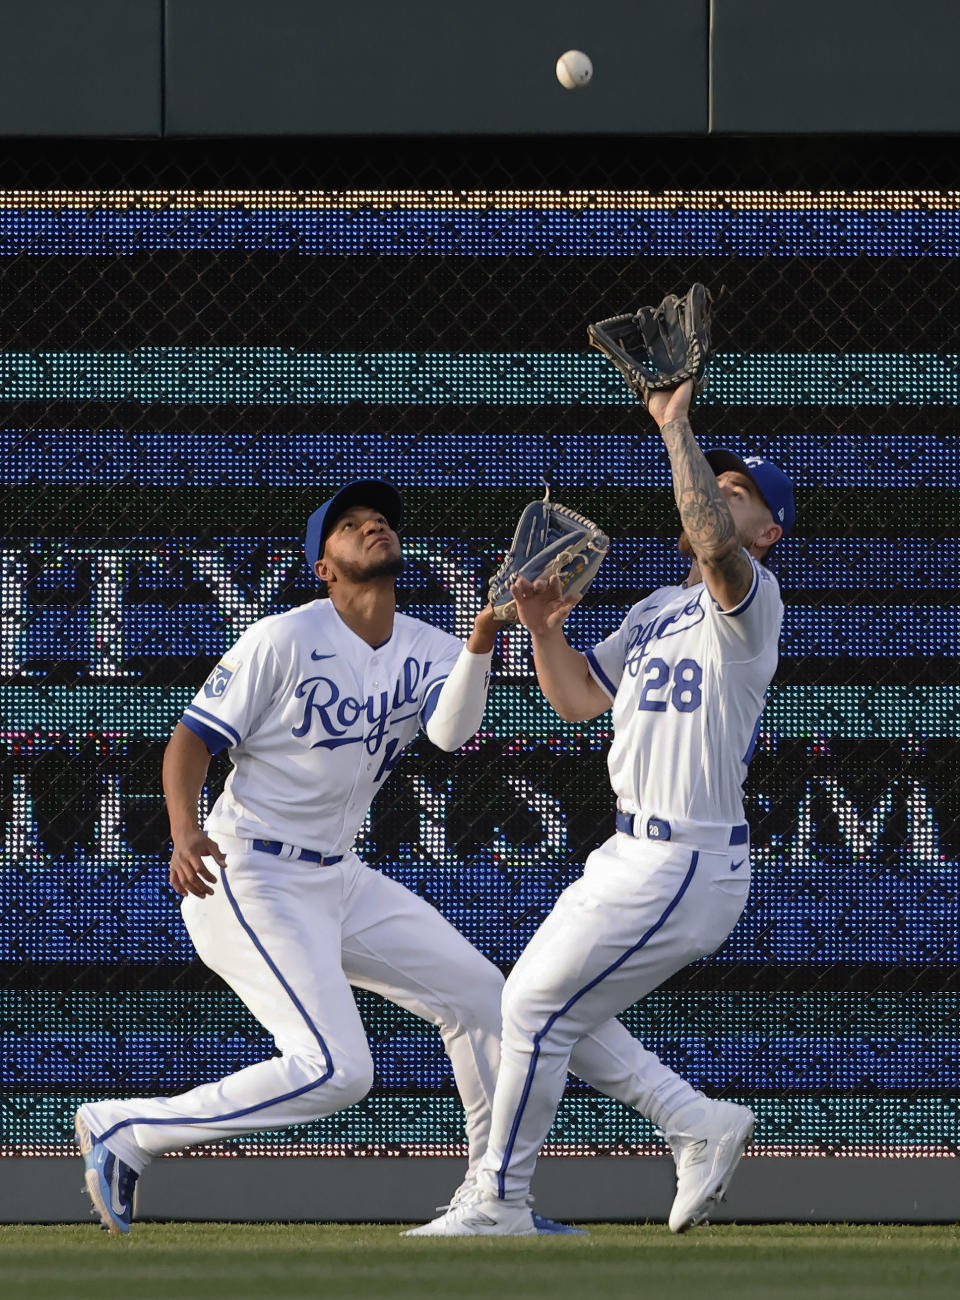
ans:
(574, 69)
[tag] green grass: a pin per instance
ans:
(212, 1260)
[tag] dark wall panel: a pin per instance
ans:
(306, 68)
(311, 67)
(80, 67)
(827, 67)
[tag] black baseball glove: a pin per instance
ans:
(659, 347)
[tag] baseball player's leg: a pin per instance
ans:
(611, 1060)
(272, 931)
(617, 933)
(399, 946)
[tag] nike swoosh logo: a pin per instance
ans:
(118, 1207)
(735, 866)
(315, 655)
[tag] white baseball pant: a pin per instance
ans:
(640, 912)
(290, 938)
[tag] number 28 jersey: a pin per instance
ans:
(688, 682)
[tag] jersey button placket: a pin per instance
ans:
(374, 688)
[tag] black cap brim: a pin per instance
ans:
(371, 492)
(722, 461)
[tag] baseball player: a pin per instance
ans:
(315, 706)
(686, 673)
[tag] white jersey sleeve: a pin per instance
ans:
(228, 706)
(455, 711)
(447, 650)
(747, 629)
(606, 660)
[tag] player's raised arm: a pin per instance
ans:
(455, 713)
(185, 763)
(561, 671)
(704, 513)
(662, 352)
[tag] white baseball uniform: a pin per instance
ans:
(315, 719)
(688, 683)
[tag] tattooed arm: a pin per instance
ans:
(724, 565)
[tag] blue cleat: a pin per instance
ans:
(550, 1227)
(110, 1183)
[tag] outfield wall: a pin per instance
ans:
(199, 346)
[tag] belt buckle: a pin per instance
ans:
(657, 828)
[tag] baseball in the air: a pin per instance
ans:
(574, 69)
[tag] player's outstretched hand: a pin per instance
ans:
(189, 874)
(541, 605)
(671, 403)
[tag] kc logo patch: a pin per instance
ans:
(218, 681)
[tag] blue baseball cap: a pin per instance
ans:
(770, 480)
(372, 492)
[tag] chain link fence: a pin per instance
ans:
(187, 370)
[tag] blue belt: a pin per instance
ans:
(658, 828)
(291, 851)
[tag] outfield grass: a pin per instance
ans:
(214, 1260)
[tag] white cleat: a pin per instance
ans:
(545, 1227)
(479, 1216)
(706, 1161)
(465, 1192)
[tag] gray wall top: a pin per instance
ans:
(322, 68)
(81, 67)
(300, 67)
(836, 66)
